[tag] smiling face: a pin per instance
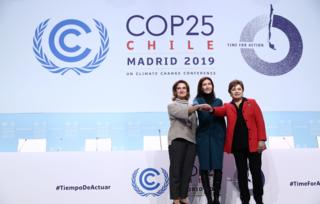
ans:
(182, 91)
(236, 92)
(236, 89)
(207, 86)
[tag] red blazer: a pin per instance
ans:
(254, 120)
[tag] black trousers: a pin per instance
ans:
(181, 154)
(241, 159)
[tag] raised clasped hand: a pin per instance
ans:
(205, 107)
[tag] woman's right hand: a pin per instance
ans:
(205, 107)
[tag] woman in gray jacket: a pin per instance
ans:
(181, 140)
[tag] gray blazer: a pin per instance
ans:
(182, 125)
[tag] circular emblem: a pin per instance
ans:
(47, 63)
(291, 32)
(146, 183)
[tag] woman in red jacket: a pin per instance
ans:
(245, 138)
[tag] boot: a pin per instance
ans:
(217, 178)
(258, 199)
(206, 185)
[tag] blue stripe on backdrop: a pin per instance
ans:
(68, 131)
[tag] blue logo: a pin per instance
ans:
(62, 50)
(148, 182)
(282, 66)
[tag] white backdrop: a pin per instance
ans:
(39, 178)
(26, 86)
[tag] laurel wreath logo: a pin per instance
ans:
(158, 193)
(52, 67)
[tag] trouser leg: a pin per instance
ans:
(176, 156)
(188, 163)
(255, 169)
(242, 169)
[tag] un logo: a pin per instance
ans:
(64, 42)
(150, 182)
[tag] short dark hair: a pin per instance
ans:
(235, 83)
(200, 92)
(174, 89)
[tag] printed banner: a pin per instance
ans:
(109, 56)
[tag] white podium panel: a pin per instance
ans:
(155, 143)
(280, 142)
(32, 145)
(291, 176)
(98, 145)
